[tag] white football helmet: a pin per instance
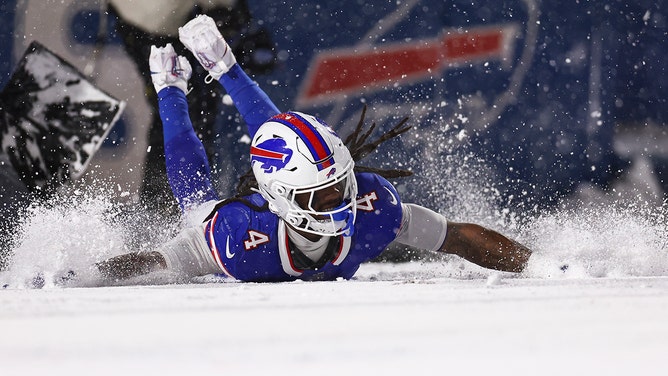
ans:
(296, 155)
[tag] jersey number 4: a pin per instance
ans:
(255, 239)
(366, 202)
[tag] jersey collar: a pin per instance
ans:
(287, 260)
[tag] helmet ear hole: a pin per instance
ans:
(292, 220)
(278, 203)
(278, 189)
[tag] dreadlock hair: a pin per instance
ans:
(358, 147)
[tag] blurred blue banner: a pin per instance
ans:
(7, 9)
(532, 87)
(529, 91)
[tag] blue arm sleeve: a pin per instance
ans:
(188, 168)
(251, 102)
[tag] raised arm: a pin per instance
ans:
(188, 168)
(202, 37)
(251, 101)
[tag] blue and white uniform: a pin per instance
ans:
(253, 245)
(241, 238)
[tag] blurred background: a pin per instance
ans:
(529, 102)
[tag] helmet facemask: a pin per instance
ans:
(337, 218)
(329, 221)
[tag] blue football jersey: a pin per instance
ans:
(251, 244)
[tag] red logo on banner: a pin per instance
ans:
(364, 69)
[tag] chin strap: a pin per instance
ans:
(347, 217)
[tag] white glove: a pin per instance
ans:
(201, 36)
(168, 68)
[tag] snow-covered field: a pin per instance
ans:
(394, 319)
(593, 301)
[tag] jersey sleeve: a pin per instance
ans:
(422, 228)
(223, 234)
(188, 168)
(251, 101)
(379, 213)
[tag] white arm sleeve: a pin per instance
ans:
(189, 253)
(422, 228)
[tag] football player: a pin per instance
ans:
(306, 212)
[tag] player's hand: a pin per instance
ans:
(168, 68)
(202, 37)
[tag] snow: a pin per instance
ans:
(394, 319)
(592, 301)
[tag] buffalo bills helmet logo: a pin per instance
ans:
(273, 154)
